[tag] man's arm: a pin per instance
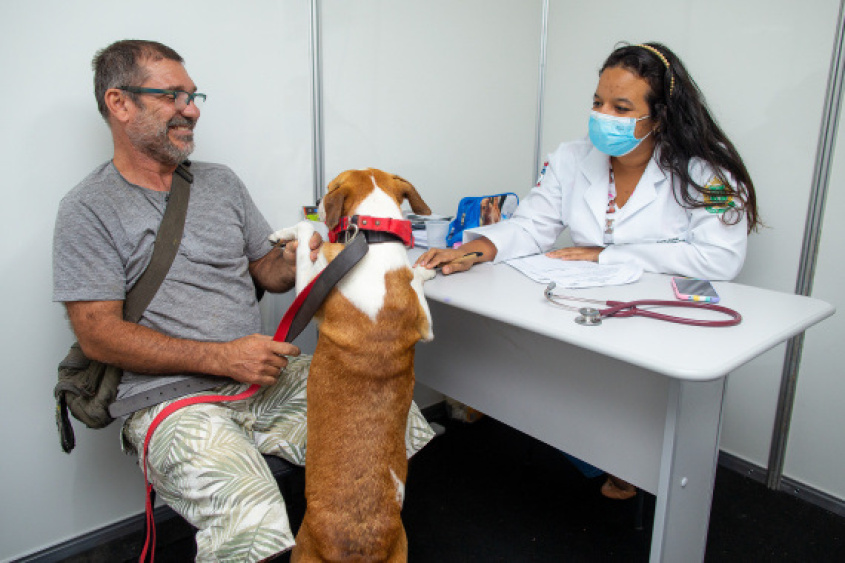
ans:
(103, 335)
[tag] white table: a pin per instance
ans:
(640, 398)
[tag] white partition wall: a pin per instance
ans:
(254, 65)
(441, 92)
(763, 68)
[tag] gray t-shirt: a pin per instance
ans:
(104, 236)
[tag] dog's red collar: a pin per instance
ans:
(370, 226)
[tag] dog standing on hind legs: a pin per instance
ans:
(361, 381)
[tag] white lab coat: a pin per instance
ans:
(651, 230)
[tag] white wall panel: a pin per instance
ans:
(762, 66)
(815, 453)
(440, 92)
(253, 63)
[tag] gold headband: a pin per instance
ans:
(665, 62)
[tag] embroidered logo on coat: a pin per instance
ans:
(714, 202)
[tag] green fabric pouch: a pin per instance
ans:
(87, 388)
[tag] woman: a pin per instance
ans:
(656, 183)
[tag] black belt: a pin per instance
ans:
(173, 390)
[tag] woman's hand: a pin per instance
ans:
(435, 257)
(585, 253)
(478, 250)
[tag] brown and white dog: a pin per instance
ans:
(362, 379)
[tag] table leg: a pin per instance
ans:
(687, 470)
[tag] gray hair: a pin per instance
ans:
(120, 64)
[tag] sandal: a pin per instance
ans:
(617, 489)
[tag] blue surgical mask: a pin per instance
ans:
(614, 135)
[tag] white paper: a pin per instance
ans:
(574, 274)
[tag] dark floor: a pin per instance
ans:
(484, 492)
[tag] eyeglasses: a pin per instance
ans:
(180, 98)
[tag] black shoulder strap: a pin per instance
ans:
(166, 244)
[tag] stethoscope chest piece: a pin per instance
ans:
(590, 316)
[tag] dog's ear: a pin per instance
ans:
(410, 193)
(333, 203)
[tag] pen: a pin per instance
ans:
(463, 258)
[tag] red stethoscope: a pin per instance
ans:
(592, 316)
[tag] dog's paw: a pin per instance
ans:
(424, 274)
(283, 235)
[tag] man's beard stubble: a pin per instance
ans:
(150, 137)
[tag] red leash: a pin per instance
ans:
(280, 336)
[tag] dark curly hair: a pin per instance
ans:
(686, 130)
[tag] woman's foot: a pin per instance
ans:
(617, 489)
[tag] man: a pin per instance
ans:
(204, 460)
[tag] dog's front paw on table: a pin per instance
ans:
(424, 274)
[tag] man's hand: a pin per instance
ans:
(289, 250)
(252, 359)
(276, 270)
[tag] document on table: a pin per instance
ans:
(574, 274)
